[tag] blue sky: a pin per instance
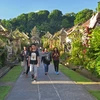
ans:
(13, 8)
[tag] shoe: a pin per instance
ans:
(35, 80)
(57, 73)
(45, 73)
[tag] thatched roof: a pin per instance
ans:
(48, 35)
(3, 32)
(25, 35)
(2, 29)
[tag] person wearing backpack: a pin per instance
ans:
(55, 57)
(46, 58)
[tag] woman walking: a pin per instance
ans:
(46, 58)
(55, 57)
(24, 58)
(28, 67)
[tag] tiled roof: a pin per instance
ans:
(86, 24)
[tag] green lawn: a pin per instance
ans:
(74, 75)
(11, 76)
(96, 94)
(78, 78)
(4, 91)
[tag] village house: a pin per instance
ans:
(93, 22)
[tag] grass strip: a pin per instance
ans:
(73, 75)
(79, 78)
(4, 90)
(12, 75)
(96, 94)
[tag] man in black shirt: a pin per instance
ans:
(34, 61)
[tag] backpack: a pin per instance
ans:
(47, 57)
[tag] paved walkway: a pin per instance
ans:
(48, 87)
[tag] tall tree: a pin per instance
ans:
(98, 7)
(46, 21)
(68, 20)
(83, 16)
(32, 20)
(7, 24)
(22, 19)
(42, 16)
(55, 15)
(55, 18)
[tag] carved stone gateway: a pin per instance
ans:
(35, 39)
(9, 51)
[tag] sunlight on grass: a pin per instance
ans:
(4, 91)
(73, 75)
(79, 79)
(12, 75)
(96, 94)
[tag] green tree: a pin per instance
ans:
(68, 20)
(55, 18)
(32, 21)
(76, 58)
(22, 20)
(83, 16)
(93, 52)
(42, 16)
(14, 23)
(98, 7)
(55, 15)
(46, 21)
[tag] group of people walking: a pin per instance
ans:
(31, 60)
